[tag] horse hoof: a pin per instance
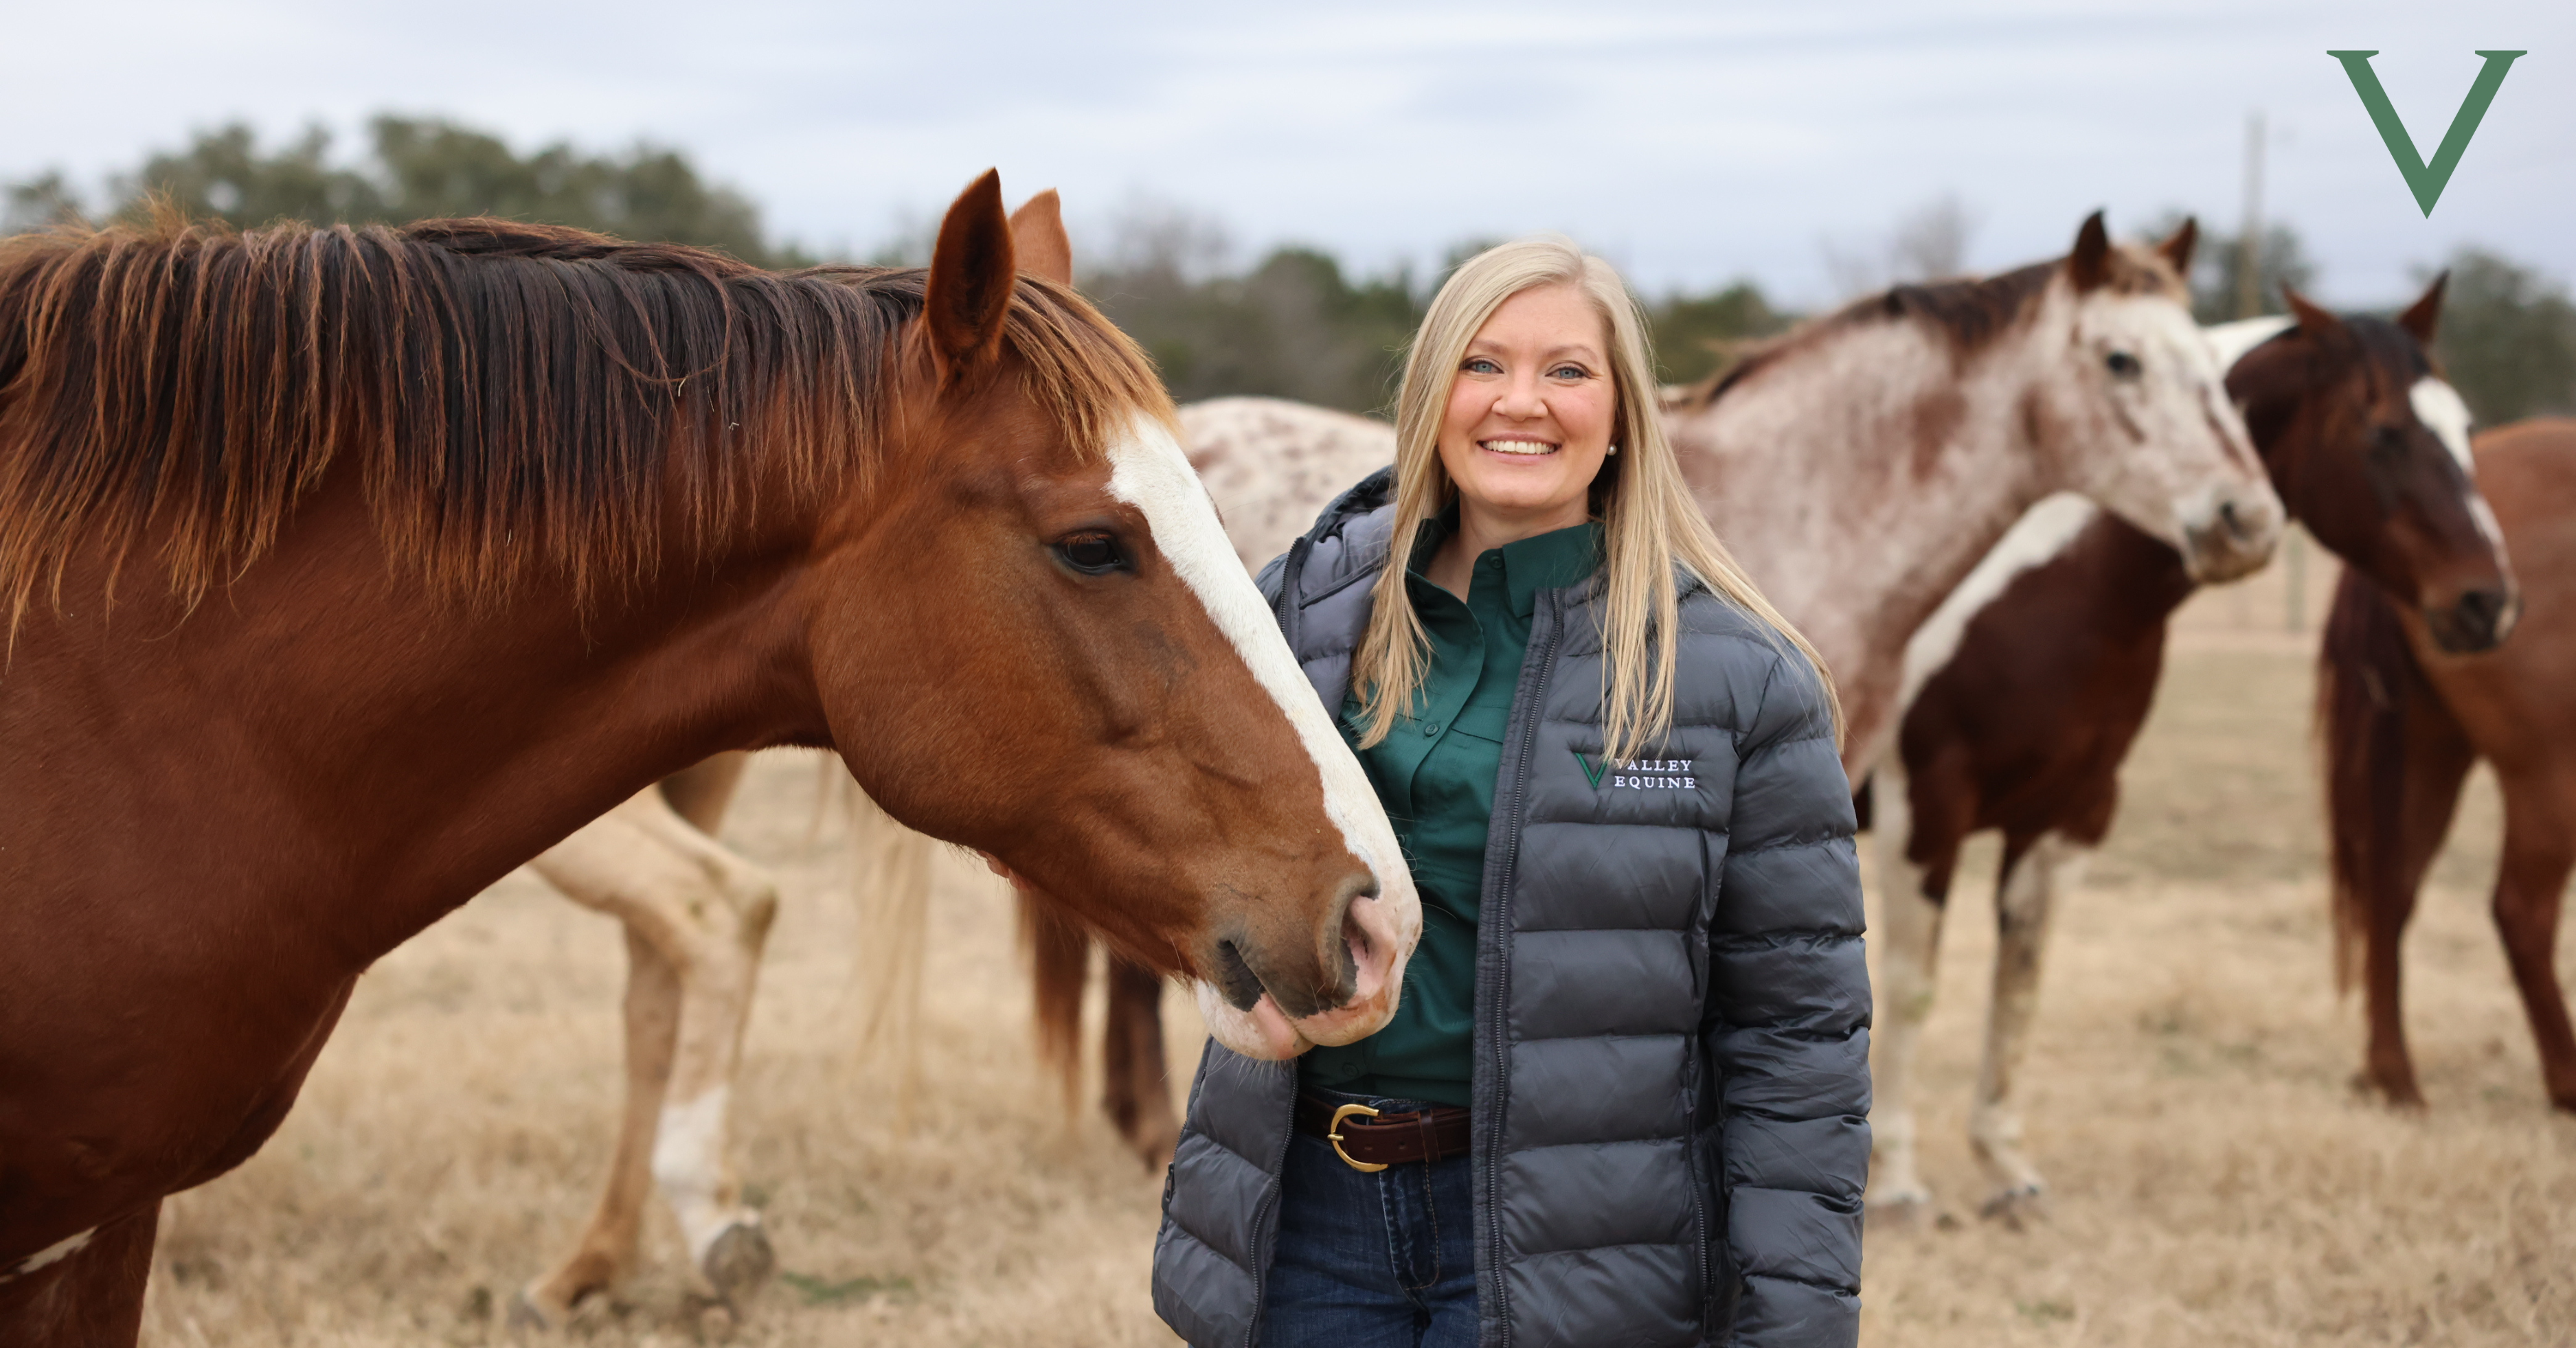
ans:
(1156, 1151)
(2017, 1207)
(738, 1262)
(1900, 1212)
(717, 1322)
(528, 1313)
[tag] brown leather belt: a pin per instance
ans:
(1369, 1140)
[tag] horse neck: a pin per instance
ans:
(396, 750)
(1858, 477)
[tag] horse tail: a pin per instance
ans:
(2367, 684)
(890, 883)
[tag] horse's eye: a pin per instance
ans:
(2122, 365)
(1092, 553)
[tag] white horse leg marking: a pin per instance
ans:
(50, 1255)
(2022, 907)
(1909, 955)
(706, 912)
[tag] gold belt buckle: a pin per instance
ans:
(1334, 1135)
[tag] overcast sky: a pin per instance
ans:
(1688, 142)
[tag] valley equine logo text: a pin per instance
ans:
(1644, 774)
(2426, 180)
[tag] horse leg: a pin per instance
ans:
(1910, 947)
(1136, 1090)
(2023, 900)
(2539, 850)
(84, 1292)
(605, 1254)
(706, 913)
(2437, 760)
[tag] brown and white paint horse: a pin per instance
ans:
(2026, 689)
(438, 542)
(1862, 466)
(2405, 713)
(1858, 468)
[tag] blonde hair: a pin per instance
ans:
(1649, 520)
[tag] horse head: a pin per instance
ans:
(1032, 639)
(2370, 449)
(2135, 413)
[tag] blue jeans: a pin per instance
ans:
(1372, 1260)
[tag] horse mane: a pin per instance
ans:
(2368, 689)
(514, 396)
(1966, 315)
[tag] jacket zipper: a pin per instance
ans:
(1502, 978)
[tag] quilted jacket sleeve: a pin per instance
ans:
(1788, 1029)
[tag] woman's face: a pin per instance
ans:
(1529, 418)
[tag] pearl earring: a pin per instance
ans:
(1614, 449)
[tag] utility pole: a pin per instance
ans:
(2249, 304)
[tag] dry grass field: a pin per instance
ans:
(2216, 1181)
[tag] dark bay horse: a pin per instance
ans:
(2405, 713)
(2030, 686)
(347, 569)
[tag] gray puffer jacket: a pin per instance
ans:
(1671, 1090)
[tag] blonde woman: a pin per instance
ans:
(1625, 1098)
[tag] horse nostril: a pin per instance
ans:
(1234, 977)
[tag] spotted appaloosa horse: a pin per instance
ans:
(2026, 689)
(2405, 712)
(1859, 468)
(437, 542)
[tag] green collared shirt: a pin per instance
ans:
(1435, 773)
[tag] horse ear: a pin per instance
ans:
(2314, 321)
(2424, 317)
(2089, 266)
(2178, 249)
(1037, 236)
(971, 273)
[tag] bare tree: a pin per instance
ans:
(1927, 243)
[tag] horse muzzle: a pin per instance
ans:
(2478, 620)
(2233, 539)
(1276, 1009)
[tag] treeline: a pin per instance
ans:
(1292, 324)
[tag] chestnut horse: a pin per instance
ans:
(696, 914)
(437, 542)
(2404, 715)
(2027, 688)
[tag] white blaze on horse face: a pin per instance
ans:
(50, 1255)
(1149, 472)
(2446, 414)
(2165, 448)
(2042, 532)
